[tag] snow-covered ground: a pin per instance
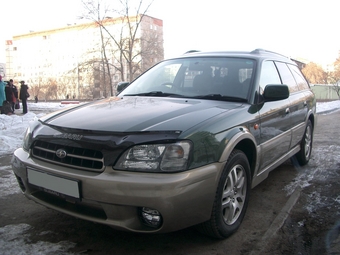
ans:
(13, 238)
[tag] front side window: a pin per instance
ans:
(269, 75)
(196, 77)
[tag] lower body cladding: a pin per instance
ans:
(132, 201)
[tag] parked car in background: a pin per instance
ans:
(180, 146)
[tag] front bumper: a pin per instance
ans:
(113, 197)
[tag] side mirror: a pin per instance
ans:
(122, 85)
(275, 92)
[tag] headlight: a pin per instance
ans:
(27, 139)
(156, 157)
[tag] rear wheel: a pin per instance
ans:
(304, 154)
(231, 198)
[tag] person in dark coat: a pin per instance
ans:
(14, 96)
(15, 93)
(23, 96)
(9, 96)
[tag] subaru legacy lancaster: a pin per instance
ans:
(181, 146)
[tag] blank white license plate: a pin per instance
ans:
(54, 183)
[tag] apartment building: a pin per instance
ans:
(85, 60)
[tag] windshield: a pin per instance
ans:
(208, 78)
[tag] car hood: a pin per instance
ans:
(136, 114)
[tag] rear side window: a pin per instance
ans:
(269, 75)
(300, 80)
(287, 77)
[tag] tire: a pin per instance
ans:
(231, 198)
(303, 156)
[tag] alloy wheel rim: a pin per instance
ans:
(234, 194)
(308, 142)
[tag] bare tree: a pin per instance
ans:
(315, 74)
(125, 47)
(52, 89)
(334, 76)
(36, 90)
(94, 12)
(336, 72)
(80, 77)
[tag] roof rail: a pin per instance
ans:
(259, 51)
(191, 51)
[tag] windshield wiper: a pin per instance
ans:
(221, 98)
(155, 94)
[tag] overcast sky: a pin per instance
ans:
(307, 29)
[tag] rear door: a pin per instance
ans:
(305, 97)
(298, 101)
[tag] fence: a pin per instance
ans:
(324, 92)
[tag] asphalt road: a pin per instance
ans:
(294, 211)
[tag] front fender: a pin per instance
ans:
(242, 135)
(210, 148)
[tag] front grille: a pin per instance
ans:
(85, 159)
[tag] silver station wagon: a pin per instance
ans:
(181, 146)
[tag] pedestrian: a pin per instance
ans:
(36, 99)
(15, 93)
(23, 96)
(2, 93)
(10, 98)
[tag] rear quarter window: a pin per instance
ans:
(300, 80)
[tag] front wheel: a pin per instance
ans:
(231, 198)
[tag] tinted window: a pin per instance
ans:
(269, 74)
(300, 80)
(287, 76)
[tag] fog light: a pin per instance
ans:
(150, 217)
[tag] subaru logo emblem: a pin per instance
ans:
(61, 153)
